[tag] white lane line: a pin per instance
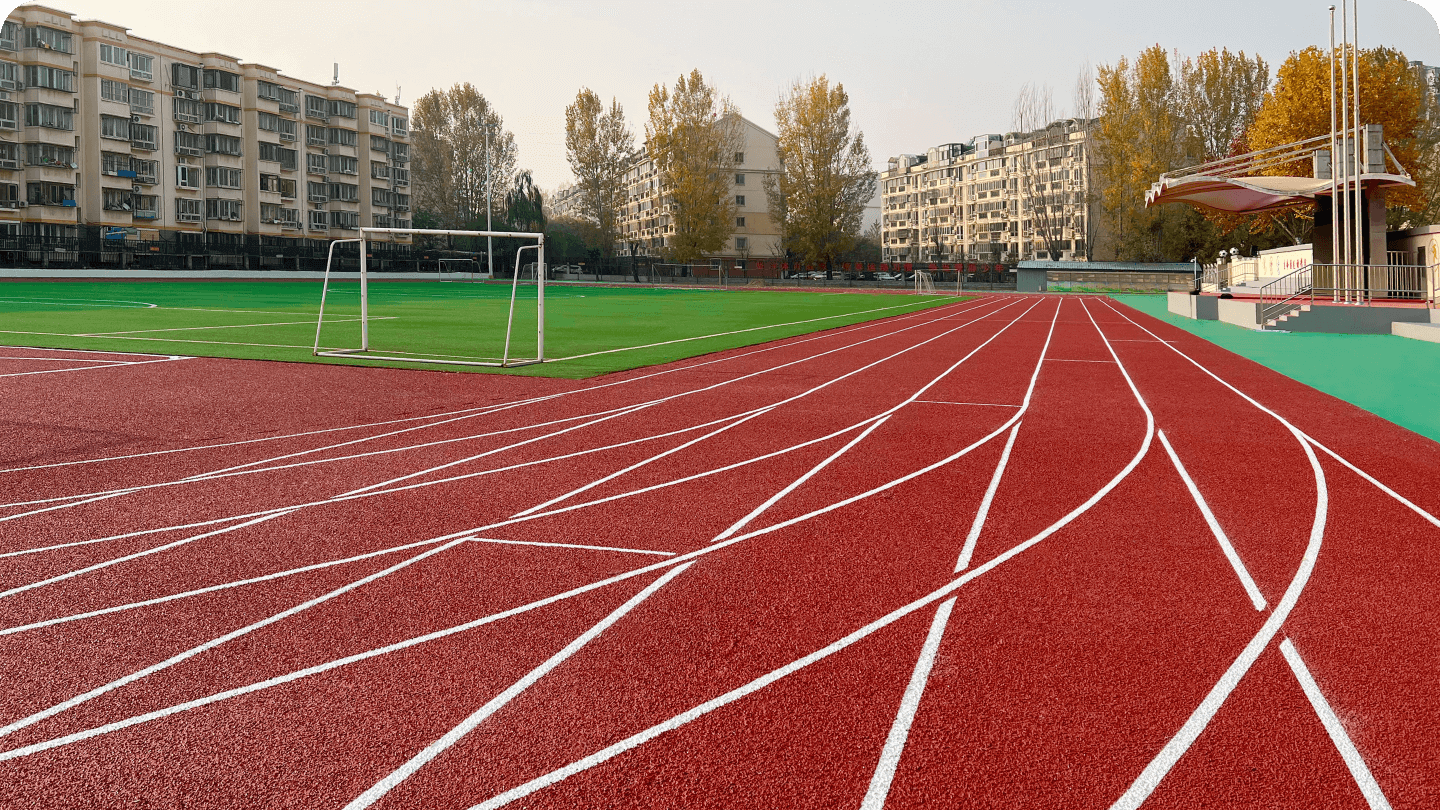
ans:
(225, 326)
(137, 555)
(1253, 591)
(210, 589)
(69, 502)
(977, 404)
(215, 642)
(92, 368)
(810, 473)
(568, 545)
(71, 360)
(1374, 796)
(909, 705)
(979, 523)
(480, 715)
(1368, 477)
(738, 331)
(1065, 360)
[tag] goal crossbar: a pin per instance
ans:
(364, 349)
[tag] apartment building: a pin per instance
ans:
(645, 226)
(101, 128)
(994, 198)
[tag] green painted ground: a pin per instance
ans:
(276, 320)
(1392, 377)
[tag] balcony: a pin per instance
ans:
(143, 214)
(141, 75)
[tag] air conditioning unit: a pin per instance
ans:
(22, 204)
(136, 189)
(134, 119)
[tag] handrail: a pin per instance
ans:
(1291, 290)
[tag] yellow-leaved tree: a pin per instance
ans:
(694, 136)
(819, 195)
(600, 148)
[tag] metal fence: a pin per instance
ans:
(1359, 284)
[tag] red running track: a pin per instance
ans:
(1018, 551)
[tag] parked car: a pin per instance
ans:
(887, 277)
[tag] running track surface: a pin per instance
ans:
(1019, 551)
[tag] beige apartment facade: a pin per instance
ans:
(995, 198)
(101, 128)
(645, 226)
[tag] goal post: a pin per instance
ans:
(364, 349)
(924, 283)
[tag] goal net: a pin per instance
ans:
(924, 283)
(464, 325)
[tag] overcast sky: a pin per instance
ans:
(918, 73)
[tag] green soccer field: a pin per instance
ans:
(588, 330)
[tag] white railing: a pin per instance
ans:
(1357, 284)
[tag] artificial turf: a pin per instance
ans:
(267, 320)
(1392, 377)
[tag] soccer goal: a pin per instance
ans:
(924, 283)
(365, 319)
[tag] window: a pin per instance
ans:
(315, 107)
(314, 136)
(342, 137)
(270, 182)
(222, 209)
(739, 222)
(146, 171)
(278, 154)
(399, 152)
(9, 115)
(112, 163)
(739, 157)
(267, 90)
(290, 217)
(145, 206)
(380, 144)
(8, 35)
(142, 101)
(381, 221)
(287, 101)
(9, 155)
(741, 243)
(9, 76)
(344, 109)
(316, 164)
(140, 66)
(188, 210)
(222, 144)
(189, 143)
(222, 112)
(349, 220)
(186, 77)
(344, 165)
(221, 80)
(381, 197)
(53, 78)
(48, 154)
(397, 125)
(114, 127)
(223, 177)
(379, 170)
(269, 122)
(188, 110)
(48, 38)
(114, 54)
(380, 117)
(9, 195)
(402, 202)
(739, 179)
(49, 194)
(739, 199)
(187, 177)
(345, 192)
(269, 212)
(400, 177)
(317, 192)
(319, 220)
(114, 91)
(144, 136)
(287, 188)
(112, 199)
(287, 129)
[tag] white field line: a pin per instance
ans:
(736, 332)
(480, 715)
(92, 368)
(805, 339)
(137, 555)
(1251, 589)
(71, 360)
(157, 340)
(691, 392)
(79, 351)
(569, 545)
(216, 642)
(909, 705)
(968, 550)
(407, 643)
(224, 586)
(1374, 796)
(1432, 519)
(223, 326)
(85, 302)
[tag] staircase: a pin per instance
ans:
(1251, 287)
(1294, 313)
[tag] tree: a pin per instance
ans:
(1217, 97)
(1053, 199)
(449, 160)
(693, 136)
(818, 197)
(1391, 94)
(600, 148)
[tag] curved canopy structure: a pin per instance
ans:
(1245, 195)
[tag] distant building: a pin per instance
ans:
(645, 226)
(98, 127)
(976, 201)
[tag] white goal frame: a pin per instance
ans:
(364, 350)
(924, 283)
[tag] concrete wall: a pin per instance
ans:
(1355, 320)
(1240, 313)
(1182, 304)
